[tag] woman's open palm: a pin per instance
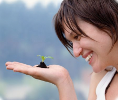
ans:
(54, 73)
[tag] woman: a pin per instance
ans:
(90, 29)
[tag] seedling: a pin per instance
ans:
(42, 64)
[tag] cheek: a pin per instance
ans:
(100, 44)
(86, 43)
(105, 45)
(101, 41)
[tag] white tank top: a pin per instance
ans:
(100, 90)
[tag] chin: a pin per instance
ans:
(96, 69)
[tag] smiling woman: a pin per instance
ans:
(97, 22)
(87, 28)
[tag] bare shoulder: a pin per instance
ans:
(95, 79)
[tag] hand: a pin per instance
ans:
(54, 73)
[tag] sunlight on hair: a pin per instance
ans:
(31, 3)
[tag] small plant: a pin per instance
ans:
(42, 64)
(43, 58)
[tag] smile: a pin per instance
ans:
(88, 57)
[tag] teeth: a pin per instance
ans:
(88, 57)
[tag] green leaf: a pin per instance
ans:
(43, 58)
(49, 57)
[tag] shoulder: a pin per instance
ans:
(95, 79)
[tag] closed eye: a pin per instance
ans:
(77, 37)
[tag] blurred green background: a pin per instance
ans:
(26, 30)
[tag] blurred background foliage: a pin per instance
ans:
(24, 34)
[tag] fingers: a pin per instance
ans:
(16, 65)
(11, 65)
(51, 74)
(23, 68)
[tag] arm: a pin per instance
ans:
(92, 89)
(66, 90)
(54, 74)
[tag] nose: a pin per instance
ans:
(77, 50)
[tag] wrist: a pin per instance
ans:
(66, 89)
(63, 78)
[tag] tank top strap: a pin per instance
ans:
(101, 87)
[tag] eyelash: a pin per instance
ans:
(77, 37)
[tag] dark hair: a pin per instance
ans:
(101, 13)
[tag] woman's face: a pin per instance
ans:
(96, 50)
